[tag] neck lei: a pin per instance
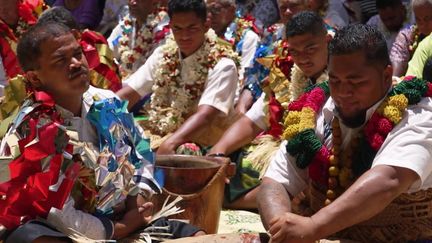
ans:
(237, 29)
(332, 167)
(416, 37)
(131, 51)
(173, 98)
(299, 82)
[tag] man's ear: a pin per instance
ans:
(207, 24)
(388, 73)
(33, 79)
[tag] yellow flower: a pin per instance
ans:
(291, 131)
(307, 120)
(393, 114)
(399, 101)
(293, 117)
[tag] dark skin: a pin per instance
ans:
(195, 124)
(62, 71)
(371, 192)
(368, 196)
(189, 32)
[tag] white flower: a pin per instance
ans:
(173, 98)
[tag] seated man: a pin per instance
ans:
(192, 80)
(80, 162)
(15, 17)
(307, 40)
(408, 39)
(272, 42)
(137, 34)
(391, 18)
(103, 70)
(422, 54)
(237, 30)
(363, 154)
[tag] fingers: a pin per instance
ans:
(146, 207)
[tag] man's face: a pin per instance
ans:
(220, 15)
(141, 8)
(189, 31)
(63, 70)
(315, 5)
(289, 8)
(309, 52)
(356, 85)
(393, 17)
(423, 17)
(9, 11)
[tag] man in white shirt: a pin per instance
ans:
(391, 18)
(364, 178)
(307, 40)
(192, 80)
(134, 38)
(229, 27)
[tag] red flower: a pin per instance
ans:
(384, 126)
(315, 99)
(298, 104)
(377, 141)
(409, 78)
(429, 91)
(318, 169)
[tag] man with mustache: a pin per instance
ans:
(71, 116)
(360, 147)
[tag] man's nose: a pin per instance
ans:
(75, 62)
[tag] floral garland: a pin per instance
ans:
(299, 82)
(234, 34)
(143, 41)
(9, 38)
(323, 163)
(416, 38)
(167, 113)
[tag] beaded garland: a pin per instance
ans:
(329, 167)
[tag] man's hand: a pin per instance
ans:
(167, 147)
(290, 227)
(133, 220)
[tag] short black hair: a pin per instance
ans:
(60, 15)
(196, 6)
(28, 49)
(305, 22)
(360, 37)
(382, 4)
(427, 70)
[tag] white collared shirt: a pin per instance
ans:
(219, 88)
(408, 145)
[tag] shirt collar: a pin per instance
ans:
(329, 109)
